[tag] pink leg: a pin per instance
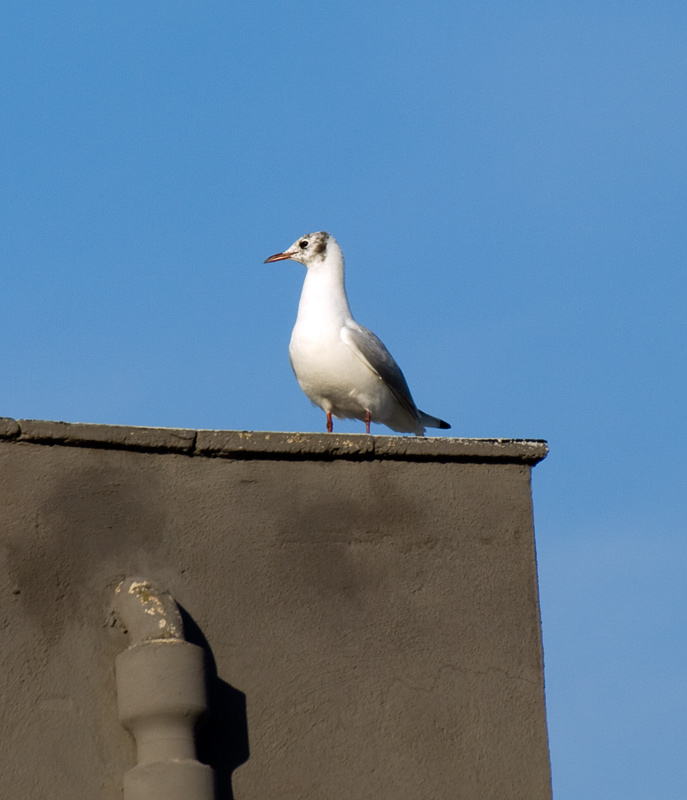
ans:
(330, 424)
(367, 421)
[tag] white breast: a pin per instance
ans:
(328, 371)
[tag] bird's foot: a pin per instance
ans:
(330, 424)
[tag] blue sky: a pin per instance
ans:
(509, 185)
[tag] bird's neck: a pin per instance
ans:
(324, 292)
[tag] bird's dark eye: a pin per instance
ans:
(304, 244)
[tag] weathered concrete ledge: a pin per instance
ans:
(271, 445)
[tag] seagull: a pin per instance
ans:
(340, 365)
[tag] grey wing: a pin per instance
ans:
(372, 352)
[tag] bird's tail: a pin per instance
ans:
(432, 422)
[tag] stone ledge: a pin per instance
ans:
(77, 434)
(272, 445)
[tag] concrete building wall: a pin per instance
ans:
(368, 607)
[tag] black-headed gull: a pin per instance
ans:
(340, 365)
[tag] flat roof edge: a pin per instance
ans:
(271, 445)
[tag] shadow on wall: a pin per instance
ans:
(223, 738)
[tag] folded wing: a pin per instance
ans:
(372, 352)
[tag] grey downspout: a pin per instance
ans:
(160, 695)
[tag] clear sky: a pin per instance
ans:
(508, 182)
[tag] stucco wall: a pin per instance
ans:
(368, 605)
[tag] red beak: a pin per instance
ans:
(277, 257)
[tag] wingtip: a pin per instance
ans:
(433, 422)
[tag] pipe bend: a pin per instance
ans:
(148, 612)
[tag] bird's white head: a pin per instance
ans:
(310, 249)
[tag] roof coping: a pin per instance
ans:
(270, 444)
